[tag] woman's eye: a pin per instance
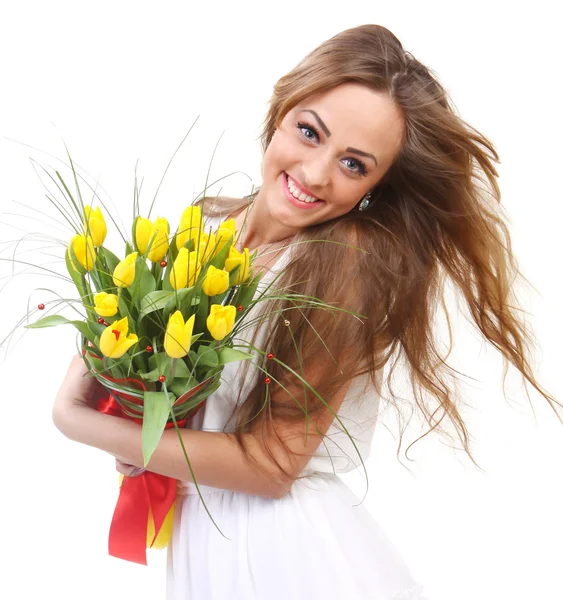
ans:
(308, 131)
(356, 166)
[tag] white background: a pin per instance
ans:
(121, 81)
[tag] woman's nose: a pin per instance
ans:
(316, 174)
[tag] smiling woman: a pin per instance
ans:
(374, 193)
(322, 156)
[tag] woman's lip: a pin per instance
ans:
(301, 188)
(293, 200)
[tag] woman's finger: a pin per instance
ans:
(127, 470)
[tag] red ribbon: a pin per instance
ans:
(139, 494)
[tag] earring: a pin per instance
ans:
(365, 201)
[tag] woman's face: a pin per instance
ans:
(328, 152)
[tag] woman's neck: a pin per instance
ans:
(257, 228)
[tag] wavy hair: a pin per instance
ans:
(434, 217)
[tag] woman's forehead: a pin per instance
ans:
(354, 114)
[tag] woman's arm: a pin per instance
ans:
(215, 457)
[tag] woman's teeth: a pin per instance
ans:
(297, 194)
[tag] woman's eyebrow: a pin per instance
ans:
(319, 120)
(327, 133)
(362, 153)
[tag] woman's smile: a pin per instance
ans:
(297, 194)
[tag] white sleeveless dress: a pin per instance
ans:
(315, 543)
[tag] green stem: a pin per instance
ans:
(139, 362)
(88, 294)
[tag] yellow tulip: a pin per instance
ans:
(143, 229)
(241, 259)
(229, 224)
(105, 304)
(221, 320)
(191, 223)
(124, 272)
(114, 341)
(178, 337)
(185, 270)
(216, 281)
(95, 225)
(83, 248)
(226, 233)
(155, 234)
(206, 248)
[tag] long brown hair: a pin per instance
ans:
(434, 216)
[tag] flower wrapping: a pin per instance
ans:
(144, 510)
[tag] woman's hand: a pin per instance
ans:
(78, 393)
(126, 469)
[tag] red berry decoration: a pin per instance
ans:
(270, 356)
(240, 307)
(101, 321)
(41, 306)
(163, 263)
(148, 348)
(162, 379)
(267, 380)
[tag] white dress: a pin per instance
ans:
(315, 543)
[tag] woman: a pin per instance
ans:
(374, 192)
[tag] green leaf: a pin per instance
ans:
(182, 370)
(202, 314)
(124, 312)
(157, 272)
(160, 360)
(151, 375)
(233, 275)
(195, 337)
(54, 320)
(219, 260)
(115, 369)
(92, 359)
(180, 386)
(174, 301)
(110, 261)
(155, 415)
(147, 284)
(96, 328)
(227, 355)
(187, 301)
(207, 357)
(192, 356)
(246, 293)
(189, 246)
(154, 301)
(220, 297)
(75, 276)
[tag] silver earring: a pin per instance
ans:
(365, 201)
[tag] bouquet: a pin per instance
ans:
(159, 327)
(157, 324)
